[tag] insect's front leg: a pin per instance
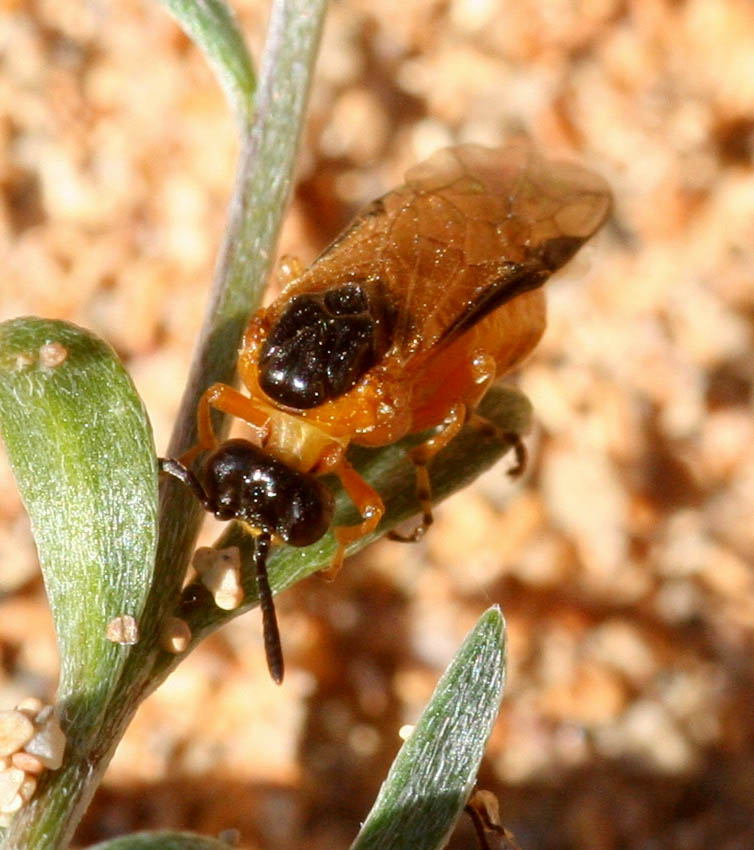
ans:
(420, 457)
(363, 495)
(226, 399)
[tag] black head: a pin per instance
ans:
(242, 481)
(322, 343)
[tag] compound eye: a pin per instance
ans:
(232, 480)
(307, 512)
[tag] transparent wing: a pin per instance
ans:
(470, 229)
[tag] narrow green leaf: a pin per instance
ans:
(212, 26)
(162, 841)
(435, 770)
(80, 446)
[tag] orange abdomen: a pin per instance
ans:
(507, 335)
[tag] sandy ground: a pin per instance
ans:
(623, 562)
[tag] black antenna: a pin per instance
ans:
(272, 646)
(170, 466)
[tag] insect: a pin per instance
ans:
(400, 326)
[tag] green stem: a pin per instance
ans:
(263, 184)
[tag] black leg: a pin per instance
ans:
(424, 496)
(522, 456)
(486, 819)
(481, 836)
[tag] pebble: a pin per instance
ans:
(175, 635)
(123, 629)
(220, 573)
(31, 706)
(26, 762)
(27, 789)
(31, 740)
(11, 781)
(16, 730)
(48, 745)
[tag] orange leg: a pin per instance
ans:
(420, 457)
(224, 398)
(489, 429)
(366, 498)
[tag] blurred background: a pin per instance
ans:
(623, 562)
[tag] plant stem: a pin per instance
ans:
(260, 196)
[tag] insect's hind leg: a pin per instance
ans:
(490, 430)
(421, 457)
